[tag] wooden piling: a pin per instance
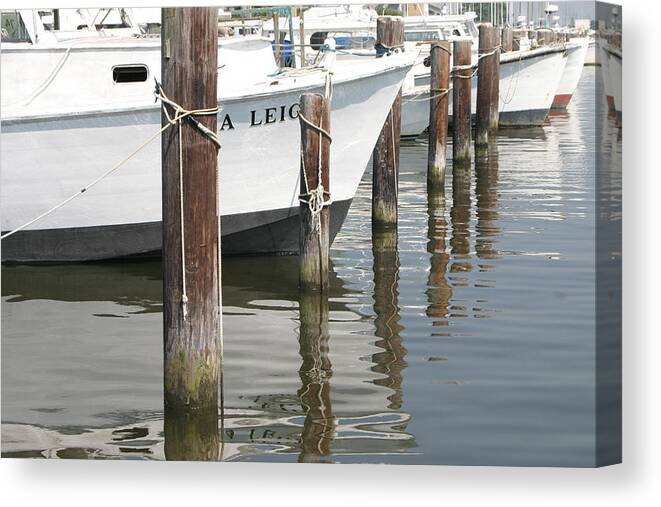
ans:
(191, 260)
(516, 39)
(277, 48)
(385, 159)
(438, 113)
(494, 111)
(541, 38)
(301, 33)
(315, 164)
(461, 102)
(532, 36)
(507, 39)
(488, 70)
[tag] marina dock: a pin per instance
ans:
(345, 255)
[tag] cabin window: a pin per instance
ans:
(317, 40)
(13, 29)
(421, 36)
(130, 73)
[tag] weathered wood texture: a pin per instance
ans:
(484, 86)
(315, 158)
(438, 113)
(494, 110)
(385, 159)
(516, 39)
(301, 34)
(191, 343)
(277, 49)
(389, 32)
(507, 39)
(461, 102)
(532, 35)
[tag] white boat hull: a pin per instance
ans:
(45, 160)
(573, 69)
(527, 89)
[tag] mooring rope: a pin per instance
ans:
(88, 186)
(315, 198)
(382, 49)
(438, 93)
(460, 68)
(438, 46)
(180, 114)
(508, 98)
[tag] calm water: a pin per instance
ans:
(469, 339)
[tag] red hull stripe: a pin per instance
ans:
(561, 101)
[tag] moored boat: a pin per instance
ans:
(576, 52)
(72, 110)
(528, 82)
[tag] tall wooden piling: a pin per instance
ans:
(487, 85)
(507, 39)
(191, 260)
(385, 159)
(541, 37)
(314, 116)
(461, 102)
(532, 36)
(438, 113)
(277, 47)
(301, 34)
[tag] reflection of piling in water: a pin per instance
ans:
(486, 197)
(191, 435)
(315, 374)
(439, 291)
(391, 361)
(460, 216)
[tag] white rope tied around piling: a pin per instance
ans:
(483, 53)
(460, 68)
(438, 94)
(438, 46)
(180, 114)
(315, 198)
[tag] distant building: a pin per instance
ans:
(582, 24)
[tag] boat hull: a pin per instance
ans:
(46, 160)
(272, 231)
(572, 73)
(527, 90)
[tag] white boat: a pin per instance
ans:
(610, 59)
(529, 77)
(576, 53)
(528, 83)
(72, 110)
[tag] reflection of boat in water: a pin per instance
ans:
(72, 109)
(269, 375)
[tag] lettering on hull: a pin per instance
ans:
(266, 116)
